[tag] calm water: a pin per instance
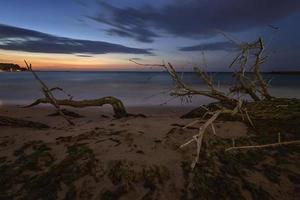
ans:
(134, 88)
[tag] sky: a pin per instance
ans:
(104, 35)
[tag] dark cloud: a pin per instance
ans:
(19, 39)
(193, 18)
(136, 59)
(128, 22)
(215, 46)
(84, 56)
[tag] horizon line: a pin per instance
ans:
(159, 71)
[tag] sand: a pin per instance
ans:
(123, 152)
(142, 132)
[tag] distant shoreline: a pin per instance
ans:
(124, 71)
(142, 71)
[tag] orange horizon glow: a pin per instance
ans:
(43, 61)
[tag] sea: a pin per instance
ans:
(133, 88)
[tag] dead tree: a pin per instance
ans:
(254, 84)
(228, 103)
(48, 94)
(181, 89)
(118, 106)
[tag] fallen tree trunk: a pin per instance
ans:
(117, 105)
(14, 122)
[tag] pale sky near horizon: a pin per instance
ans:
(103, 35)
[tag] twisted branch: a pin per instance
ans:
(118, 106)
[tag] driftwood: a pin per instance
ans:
(199, 137)
(15, 122)
(67, 113)
(263, 145)
(255, 86)
(117, 105)
(276, 144)
(48, 93)
(228, 103)
(182, 90)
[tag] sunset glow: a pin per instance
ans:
(100, 35)
(67, 62)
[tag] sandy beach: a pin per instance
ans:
(130, 158)
(149, 100)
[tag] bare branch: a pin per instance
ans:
(263, 146)
(48, 94)
(182, 90)
(199, 137)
